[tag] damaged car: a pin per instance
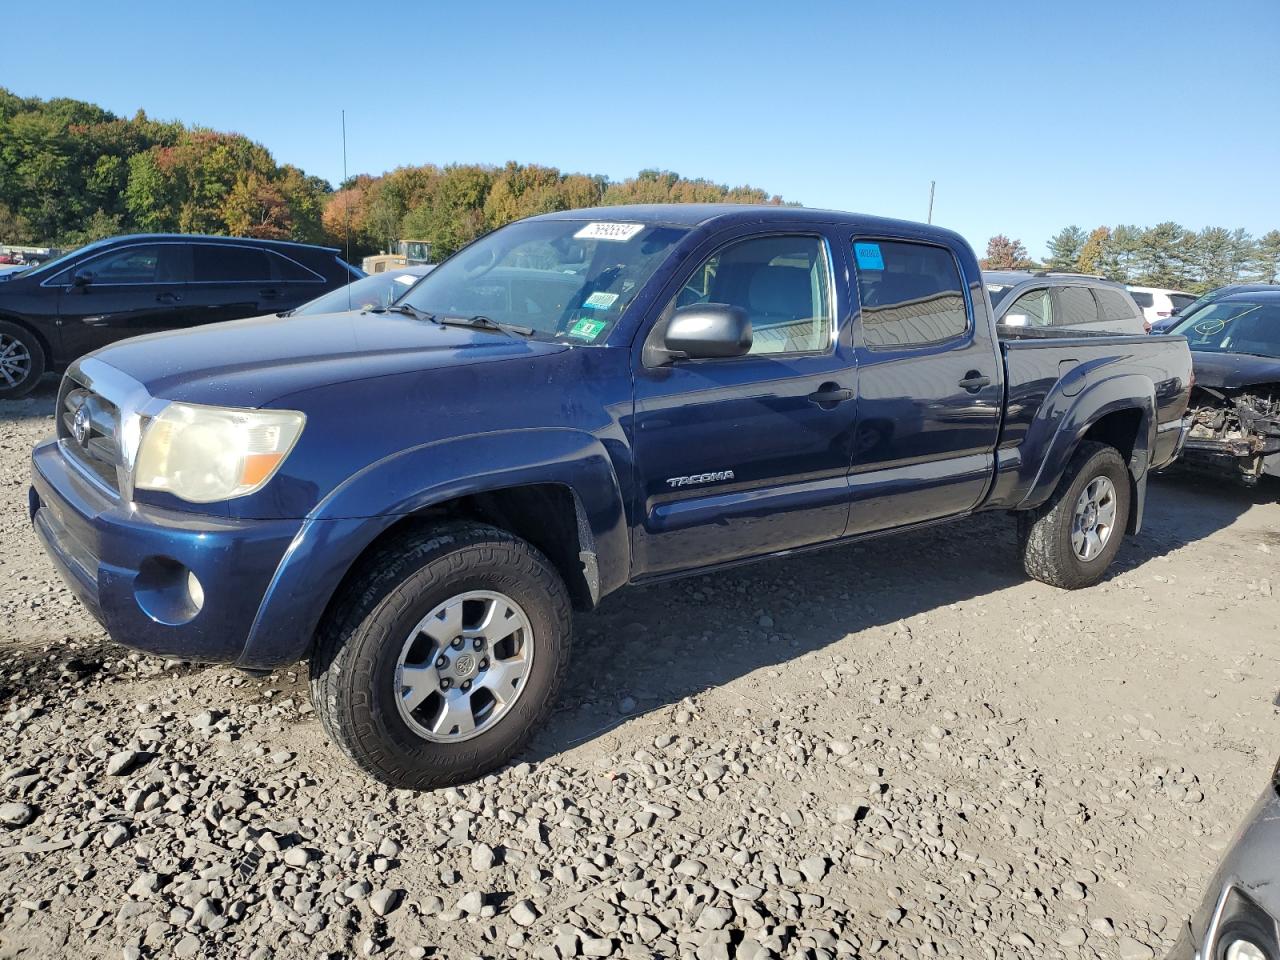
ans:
(1235, 401)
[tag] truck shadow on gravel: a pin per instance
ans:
(649, 648)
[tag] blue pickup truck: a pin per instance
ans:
(415, 498)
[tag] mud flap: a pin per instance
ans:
(1137, 501)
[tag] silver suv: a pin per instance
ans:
(1064, 300)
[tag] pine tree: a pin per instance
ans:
(1065, 249)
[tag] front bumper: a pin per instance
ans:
(161, 581)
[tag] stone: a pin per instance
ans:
(16, 814)
(384, 902)
(1130, 949)
(483, 857)
(123, 763)
(524, 913)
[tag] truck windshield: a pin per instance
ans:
(569, 279)
(1234, 326)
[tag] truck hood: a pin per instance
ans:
(250, 363)
(1229, 371)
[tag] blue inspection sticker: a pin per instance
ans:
(868, 256)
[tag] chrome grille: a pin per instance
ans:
(98, 451)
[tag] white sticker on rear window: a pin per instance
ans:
(620, 232)
(996, 287)
(407, 279)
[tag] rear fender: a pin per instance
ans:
(1063, 422)
(346, 522)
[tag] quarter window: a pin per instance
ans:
(225, 263)
(1113, 305)
(290, 271)
(1076, 306)
(911, 294)
(781, 282)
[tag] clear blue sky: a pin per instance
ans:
(1124, 111)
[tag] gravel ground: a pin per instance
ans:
(898, 749)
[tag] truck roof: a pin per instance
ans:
(728, 214)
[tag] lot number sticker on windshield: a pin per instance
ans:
(619, 232)
(868, 256)
(600, 300)
(587, 329)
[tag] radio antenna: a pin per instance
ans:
(346, 205)
(932, 184)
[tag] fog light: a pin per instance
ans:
(1244, 950)
(168, 591)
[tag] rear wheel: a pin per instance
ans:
(22, 361)
(443, 656)
(1071, 540)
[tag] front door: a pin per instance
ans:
(126, 292)
(929, 387)
(749, 455)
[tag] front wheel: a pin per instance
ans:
(443, 656)
(22, 361)
(1071, 540)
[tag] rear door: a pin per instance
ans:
(230, 282)
(929, 386)
(130, 290)
(749, 455)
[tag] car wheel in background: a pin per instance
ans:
(22, 361)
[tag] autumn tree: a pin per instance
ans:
(1006, 254)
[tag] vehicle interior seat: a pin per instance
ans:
(780, 303)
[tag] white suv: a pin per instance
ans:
(1159, 304)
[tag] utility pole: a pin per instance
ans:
(932, 184)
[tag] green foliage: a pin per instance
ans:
(70, 171)
(1168, 255)
(1065, 249)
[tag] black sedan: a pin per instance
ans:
(126, 286)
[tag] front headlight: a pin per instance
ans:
(204, 454)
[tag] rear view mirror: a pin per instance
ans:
(1016, 320)
(703, 331)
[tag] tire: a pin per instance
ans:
(1047, 536)
(357, 677)
(22, 361)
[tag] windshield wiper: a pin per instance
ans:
(409, 310)
(488, 323)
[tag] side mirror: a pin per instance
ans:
(702, 331)
(82, 278)
(1016, 320)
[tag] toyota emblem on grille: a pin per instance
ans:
(80, 426)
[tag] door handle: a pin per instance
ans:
(168, 298)
(829, 394)
(974, 381)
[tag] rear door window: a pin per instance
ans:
(911, 294)
(1076, 306)
(1181, 301)
(1142, 299)
(1113, 305)
(225, 263)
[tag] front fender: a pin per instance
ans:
(356, 513)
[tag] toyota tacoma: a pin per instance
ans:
(415, 498)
